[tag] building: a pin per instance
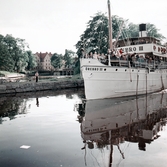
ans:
(64, 71)
(44, 64)
(44, 61)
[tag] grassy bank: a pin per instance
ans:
(13, 77)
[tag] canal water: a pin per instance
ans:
(61, 129)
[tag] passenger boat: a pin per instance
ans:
(134, 66)
(109, 123)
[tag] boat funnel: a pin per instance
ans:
(142, 30)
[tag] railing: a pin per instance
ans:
(137, 64)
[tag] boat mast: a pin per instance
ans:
(110, 26)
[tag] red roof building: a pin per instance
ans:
(44, 61)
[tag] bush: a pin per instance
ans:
(2, 75)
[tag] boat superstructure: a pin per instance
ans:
(134, 66)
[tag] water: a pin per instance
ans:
(51, 129)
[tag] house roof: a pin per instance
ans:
(43, 55)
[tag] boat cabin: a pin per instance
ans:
(138, 52)
(137, 41)
(142, 45)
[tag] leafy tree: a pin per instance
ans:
(129, 31)
(152, 31)
(95, 37)
(77, 66)
(68, 58)
(12, 53)
(31, 61)
(6, 62)
(57, 60)
(16, 50)
(132, 30)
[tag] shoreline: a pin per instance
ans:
(32, 86)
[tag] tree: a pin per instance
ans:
(132, 31)
(68, 58)
(6, 62)
(129, 30)
(152, 31)
(13, 54)
(77, 66)
(57, 60)
(16, 50)
(95, 37)
(31, 61)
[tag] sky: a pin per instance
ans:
(56, 25)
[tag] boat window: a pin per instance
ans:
(140, 48)
(116, 69)
(104, 69)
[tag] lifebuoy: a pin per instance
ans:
(163, 50)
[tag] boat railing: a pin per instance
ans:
(135, 63)
(139, 64)
(162, 65)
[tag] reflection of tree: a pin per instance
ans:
(79, 93)
(23, 107)
(11, 107)
(1, 120)
(69, 96)
(104, 140)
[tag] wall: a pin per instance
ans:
(18, 87)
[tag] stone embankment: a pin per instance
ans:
(31, 86)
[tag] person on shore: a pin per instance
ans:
(36, 76)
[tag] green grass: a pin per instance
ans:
(73, 78)
(46, 78)
(7, 73)
(4, 73)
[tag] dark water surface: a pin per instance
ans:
(51, 129)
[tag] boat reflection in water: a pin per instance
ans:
(110, 122)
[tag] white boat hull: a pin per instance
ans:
(112, 81)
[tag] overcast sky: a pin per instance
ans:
(56, 25)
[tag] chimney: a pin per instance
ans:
(142, 30)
